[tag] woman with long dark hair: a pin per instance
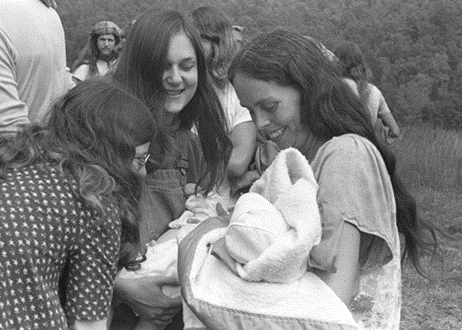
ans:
(163, 63)
(297, 99)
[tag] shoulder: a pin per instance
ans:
(82, 71)
(374, 91)
(350, 145)
(352, 84)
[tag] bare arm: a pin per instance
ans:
(243, 138)
(385, 114)
(345, 282)
(390, 122)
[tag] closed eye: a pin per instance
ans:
(269, 107)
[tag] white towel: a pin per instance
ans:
(265, 249)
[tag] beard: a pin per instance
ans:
(107, 58)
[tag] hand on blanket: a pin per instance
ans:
(145, 297)
(50, 3)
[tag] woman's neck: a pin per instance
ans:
(311, 146)
(170, 121)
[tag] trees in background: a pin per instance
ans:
(413, 47)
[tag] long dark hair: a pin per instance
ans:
(330, 109)
(140, 70)
(92, 133)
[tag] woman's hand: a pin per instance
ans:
(145, 297)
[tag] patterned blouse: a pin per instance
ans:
(43, 226)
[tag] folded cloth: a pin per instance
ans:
(223, 300)
(275, 225)
(269, 238)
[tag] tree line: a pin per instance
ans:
(414, 47)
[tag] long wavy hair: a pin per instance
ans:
(216, 27)
(330, 109)
(91, 134)
(141, 68)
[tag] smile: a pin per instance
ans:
(173, 92)
(276, 134)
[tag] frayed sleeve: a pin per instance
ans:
(354, 187)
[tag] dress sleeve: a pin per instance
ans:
(354, 187)
(13, 111)
(93, 266)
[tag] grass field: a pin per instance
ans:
(430, 161)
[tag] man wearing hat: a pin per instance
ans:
(99, 55)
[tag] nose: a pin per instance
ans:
(260, 118)
(173, 76)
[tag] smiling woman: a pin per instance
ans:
(164, 65)
(297, 99)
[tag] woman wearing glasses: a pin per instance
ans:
(69, 208)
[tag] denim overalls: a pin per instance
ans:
(165, 199)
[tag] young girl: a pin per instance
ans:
(163, 63)
(357, 74)
(69, 208)
(298, 100)
(220, 45)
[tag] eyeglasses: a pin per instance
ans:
(142, 160)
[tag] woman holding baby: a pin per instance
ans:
(297, 99)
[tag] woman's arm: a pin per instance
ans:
(243, 138)
(345, 282)
(390, 122)
(385, 114)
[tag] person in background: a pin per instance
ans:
(357, 76)
(33, 71)
(163, 63)
(99, 54)
(220, 46)
(298, 99)
(69, 208)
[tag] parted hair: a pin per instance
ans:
(329, 109)
(91, 134)
(140, 70)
